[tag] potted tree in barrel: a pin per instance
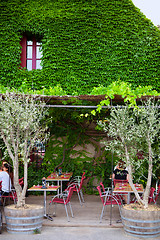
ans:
(132, 131)
(22, 123)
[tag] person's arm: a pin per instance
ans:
(1, 175)
(113, 176)
(127, 177)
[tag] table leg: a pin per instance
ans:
(45, 213)
(58, 185)
(128, 198)
(44, 203)
(61, 186)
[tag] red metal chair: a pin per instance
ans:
(21, 181)
(103, 188)
(117, 196)
(157, 194)
(63, 198)
(78, 188)
(150, 198)
(108, 199)
(151, 195)
(76, 179)
(12, 194)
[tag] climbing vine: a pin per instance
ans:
(84, 44)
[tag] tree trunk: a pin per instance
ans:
(25, 183)
(149, 179)
(140, 201)
(16, 183)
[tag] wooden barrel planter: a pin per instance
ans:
(24, 220)
(141, 223)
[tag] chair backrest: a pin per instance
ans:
(81, 183)
(108, 199)
(21, 181)
(157, 194)
(150, 199)
(70, 192)
(100, 193)
(12, 195)
(119, 181)
(83, 174)
(102, 186)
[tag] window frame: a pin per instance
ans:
(24, 57)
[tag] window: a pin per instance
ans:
(31, 53)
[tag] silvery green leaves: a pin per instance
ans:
(121, 129)
(134, 131)
(22, 123)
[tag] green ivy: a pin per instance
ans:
(85, 43)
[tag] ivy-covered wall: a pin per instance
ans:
(76, 147)
(85, 43)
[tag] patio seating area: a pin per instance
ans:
(86, 215)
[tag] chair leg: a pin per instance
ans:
(102, 214)
(82, 195)
(14, 198)
(54, 212)
(67, 213)
(4, 201)
(79, 198)
(49, 208)
(71, 209)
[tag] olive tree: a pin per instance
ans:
(21, 124)
(132, 131)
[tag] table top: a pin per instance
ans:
(63, 177)
(125, 187)
(39, 188)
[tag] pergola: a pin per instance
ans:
(118, 100)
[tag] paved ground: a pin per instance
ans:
(86, 215)
(72, 233)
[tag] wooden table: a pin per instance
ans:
(125, 188)
(48, 189)
(64, 177)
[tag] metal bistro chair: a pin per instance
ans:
(12, 194)
(150, 198)
(78, 189)
(108, 189)
(105, 189)
(151, 195)
(64, 199)
(108, 199)
(157, 194)
(76, 179)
